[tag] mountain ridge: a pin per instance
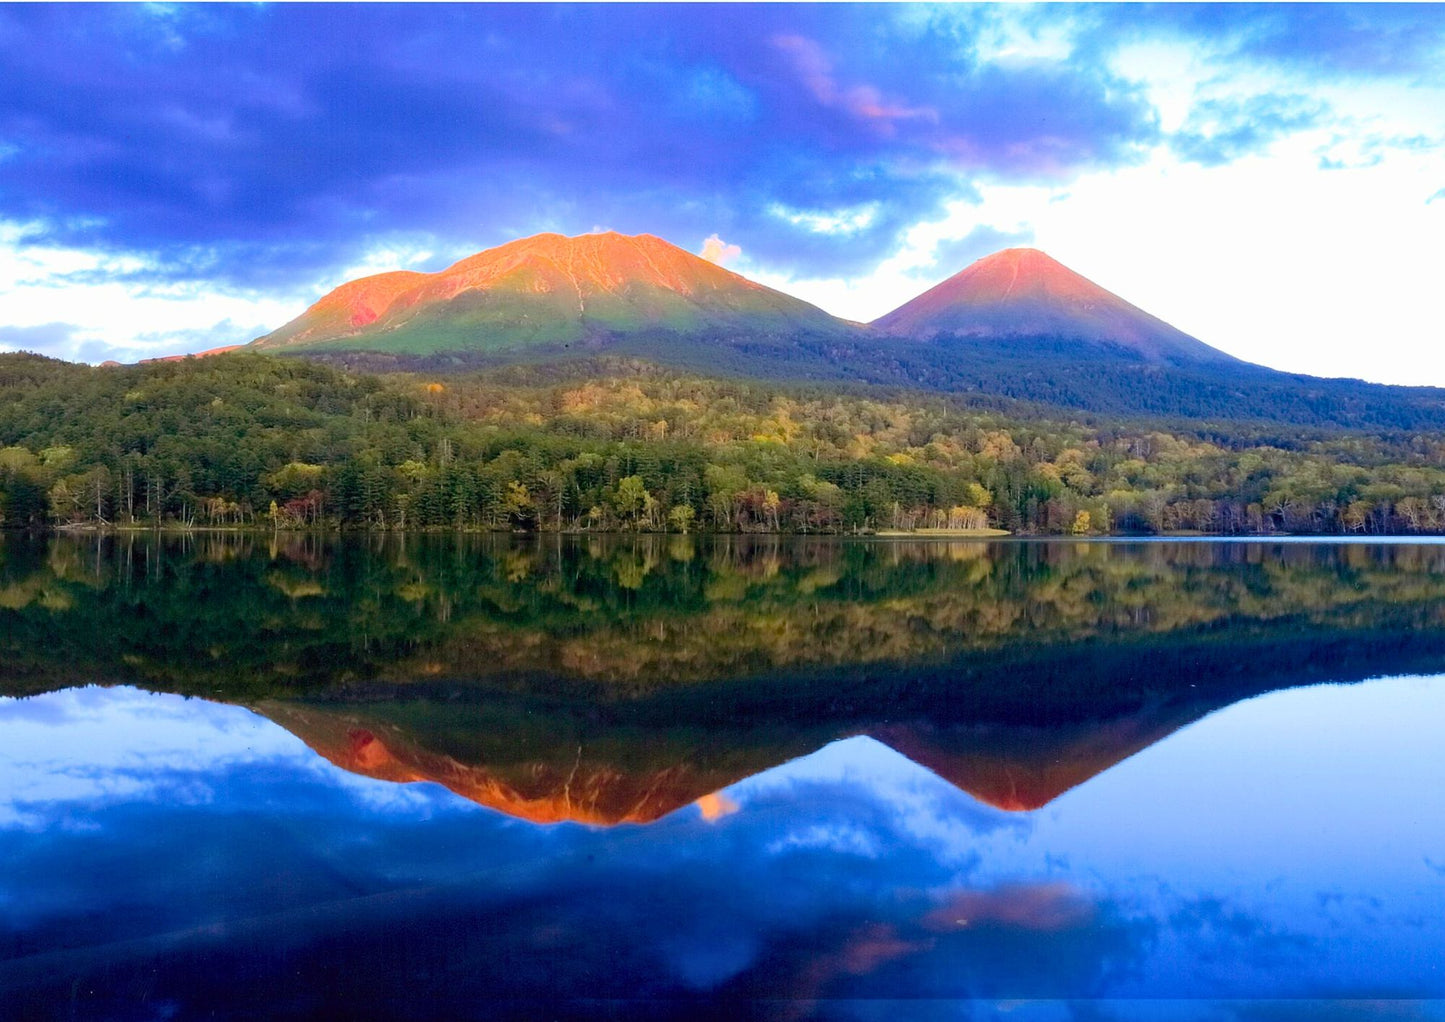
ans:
(1011, 768)
(1013, 326)
(549, 288)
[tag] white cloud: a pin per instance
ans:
(715, 250)
(113, 312)
(122, 745)
(836, 221)
(1331, 273)
(114, 307)
(396, 255)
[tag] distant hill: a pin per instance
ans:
(1014, 325)
(1021, 294)
(554, 292)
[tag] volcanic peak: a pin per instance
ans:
(1024, 293)
(1023, 271)
(550, 287)
(603, 263)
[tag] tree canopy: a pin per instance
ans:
(248, 440)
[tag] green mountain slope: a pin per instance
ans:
(1015, 325)
(553, 291)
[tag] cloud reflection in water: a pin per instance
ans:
(245, 872)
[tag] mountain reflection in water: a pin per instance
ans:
(869, 772)
(608, 776)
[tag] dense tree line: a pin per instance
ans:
(260, 441)
(1039, 371)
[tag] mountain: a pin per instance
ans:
(1020, 325)
(1022, 767)
(1022, 294)
(614, 774)
(553, 291)
(539, 792)
(1014, 326)
(223, 350)
(345, 311)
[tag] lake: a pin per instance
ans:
(720, 777)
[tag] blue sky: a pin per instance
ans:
(1269, 178)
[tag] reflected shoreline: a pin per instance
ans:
(725, 779)
(616, 679)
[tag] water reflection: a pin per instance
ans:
(241, 613)
(829, 884)
(603, 771)
(716, 778)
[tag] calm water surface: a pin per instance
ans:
(476, 777)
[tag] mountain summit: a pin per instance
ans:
(551, 290)
(1021, 293)
(1017, 325)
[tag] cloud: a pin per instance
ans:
(257, 146)
(1352, 39)
(76, 343)
(953, 254)
(1358, 41)
(744, 906)
(1220, 131)
(217, 335)
(55, 339)
(264, 152)
(861, 101)
(90, 305)
(715, 250)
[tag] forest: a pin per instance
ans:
(249, 441)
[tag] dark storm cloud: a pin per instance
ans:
(252, 144)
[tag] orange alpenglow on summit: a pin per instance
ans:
(1016, 769)
(549, 289)
(611, 289)
(1023, 293)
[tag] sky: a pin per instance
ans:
(1268, 178)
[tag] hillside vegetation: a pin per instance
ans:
(255, 440)
(1016, 324)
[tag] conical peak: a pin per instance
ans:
(1017, 255)
(1023, 293)
(1016, 273)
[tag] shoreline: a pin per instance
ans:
(937, 535)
